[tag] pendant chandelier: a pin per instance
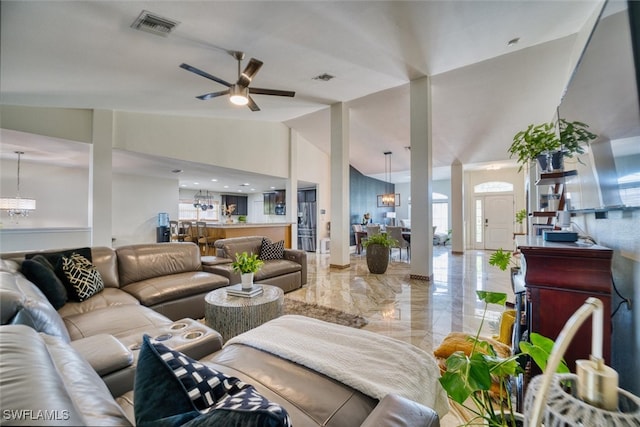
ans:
(389, 198)
(202, 201)
(17, 206)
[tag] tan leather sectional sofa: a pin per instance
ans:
(288, 272)
(76, 366)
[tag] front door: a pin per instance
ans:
(495, 218)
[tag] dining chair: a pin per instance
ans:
(173, 231)
(396, 234)
(357, 233)
(202, 237)
(186, 231)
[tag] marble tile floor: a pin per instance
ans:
(419, 312)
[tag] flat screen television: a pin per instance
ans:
(603, 93)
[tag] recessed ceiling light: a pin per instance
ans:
(226, 186)
(272, 187)
(214, 180)
(513, 42)
(196, 183)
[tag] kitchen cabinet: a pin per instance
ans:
(275, 202)
(240, 202)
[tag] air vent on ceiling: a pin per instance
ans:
(154, 24)
(324, 77)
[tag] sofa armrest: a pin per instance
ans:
(104, 353)
(397, 411)
(299, 256)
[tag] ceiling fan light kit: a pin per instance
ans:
(239, 93)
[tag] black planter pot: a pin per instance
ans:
(557, 160)
(543, 162)
(377, 258)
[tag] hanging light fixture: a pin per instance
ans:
(17, 206)
(389, 198)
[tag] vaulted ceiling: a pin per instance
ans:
(84, 54)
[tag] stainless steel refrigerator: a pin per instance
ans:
(307, 224)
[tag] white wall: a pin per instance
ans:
(136, 204)
(314, 166)
(61, 194)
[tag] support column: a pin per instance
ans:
(457, 208)
(339, 254)
(421, 180)
(292, 188)
(100, 178)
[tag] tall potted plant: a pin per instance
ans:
(378, 247)
(521, 215)
(247, 265)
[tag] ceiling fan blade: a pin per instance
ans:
(204, 74)
(259, 91)
(252, 105)
(213, 95)
(250, 70)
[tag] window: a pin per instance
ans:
(186, 211)
(493, 187)
(440, 212)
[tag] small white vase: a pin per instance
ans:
(247, 280)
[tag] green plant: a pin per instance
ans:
(521, 215)
(246, 263)
(573, 135)
(535, 140)
(542, 139)
(380, 239)
(502, 259)
(470, 376)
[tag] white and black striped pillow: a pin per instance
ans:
(271, 250)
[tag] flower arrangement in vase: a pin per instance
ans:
(228, 210)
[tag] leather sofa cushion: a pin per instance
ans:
(173, 287)
(107, 298)
(39, 372)
(114, 320)
(311, 399)
(236, 245)
(272, 268)
(21, 302)
(141, 262)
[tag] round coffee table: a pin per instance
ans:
(231, 315)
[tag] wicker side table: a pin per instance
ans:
(231, 315)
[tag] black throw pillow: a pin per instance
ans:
(46, 280)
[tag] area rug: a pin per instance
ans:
(320, 312)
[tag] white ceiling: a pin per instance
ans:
(84, 54)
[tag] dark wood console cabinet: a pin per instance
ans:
(559, 277)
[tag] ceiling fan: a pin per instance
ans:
(239, 92)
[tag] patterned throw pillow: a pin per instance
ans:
(84, 278)
(171, 389)
(271, 250)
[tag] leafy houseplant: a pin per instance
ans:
(247, 265)
(502, 259)
(470, 376)
(521, 215)
(540, 141)
(378, 247)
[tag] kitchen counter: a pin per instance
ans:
(274, 231)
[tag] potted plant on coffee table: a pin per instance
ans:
(378, 248)
(247, 265)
